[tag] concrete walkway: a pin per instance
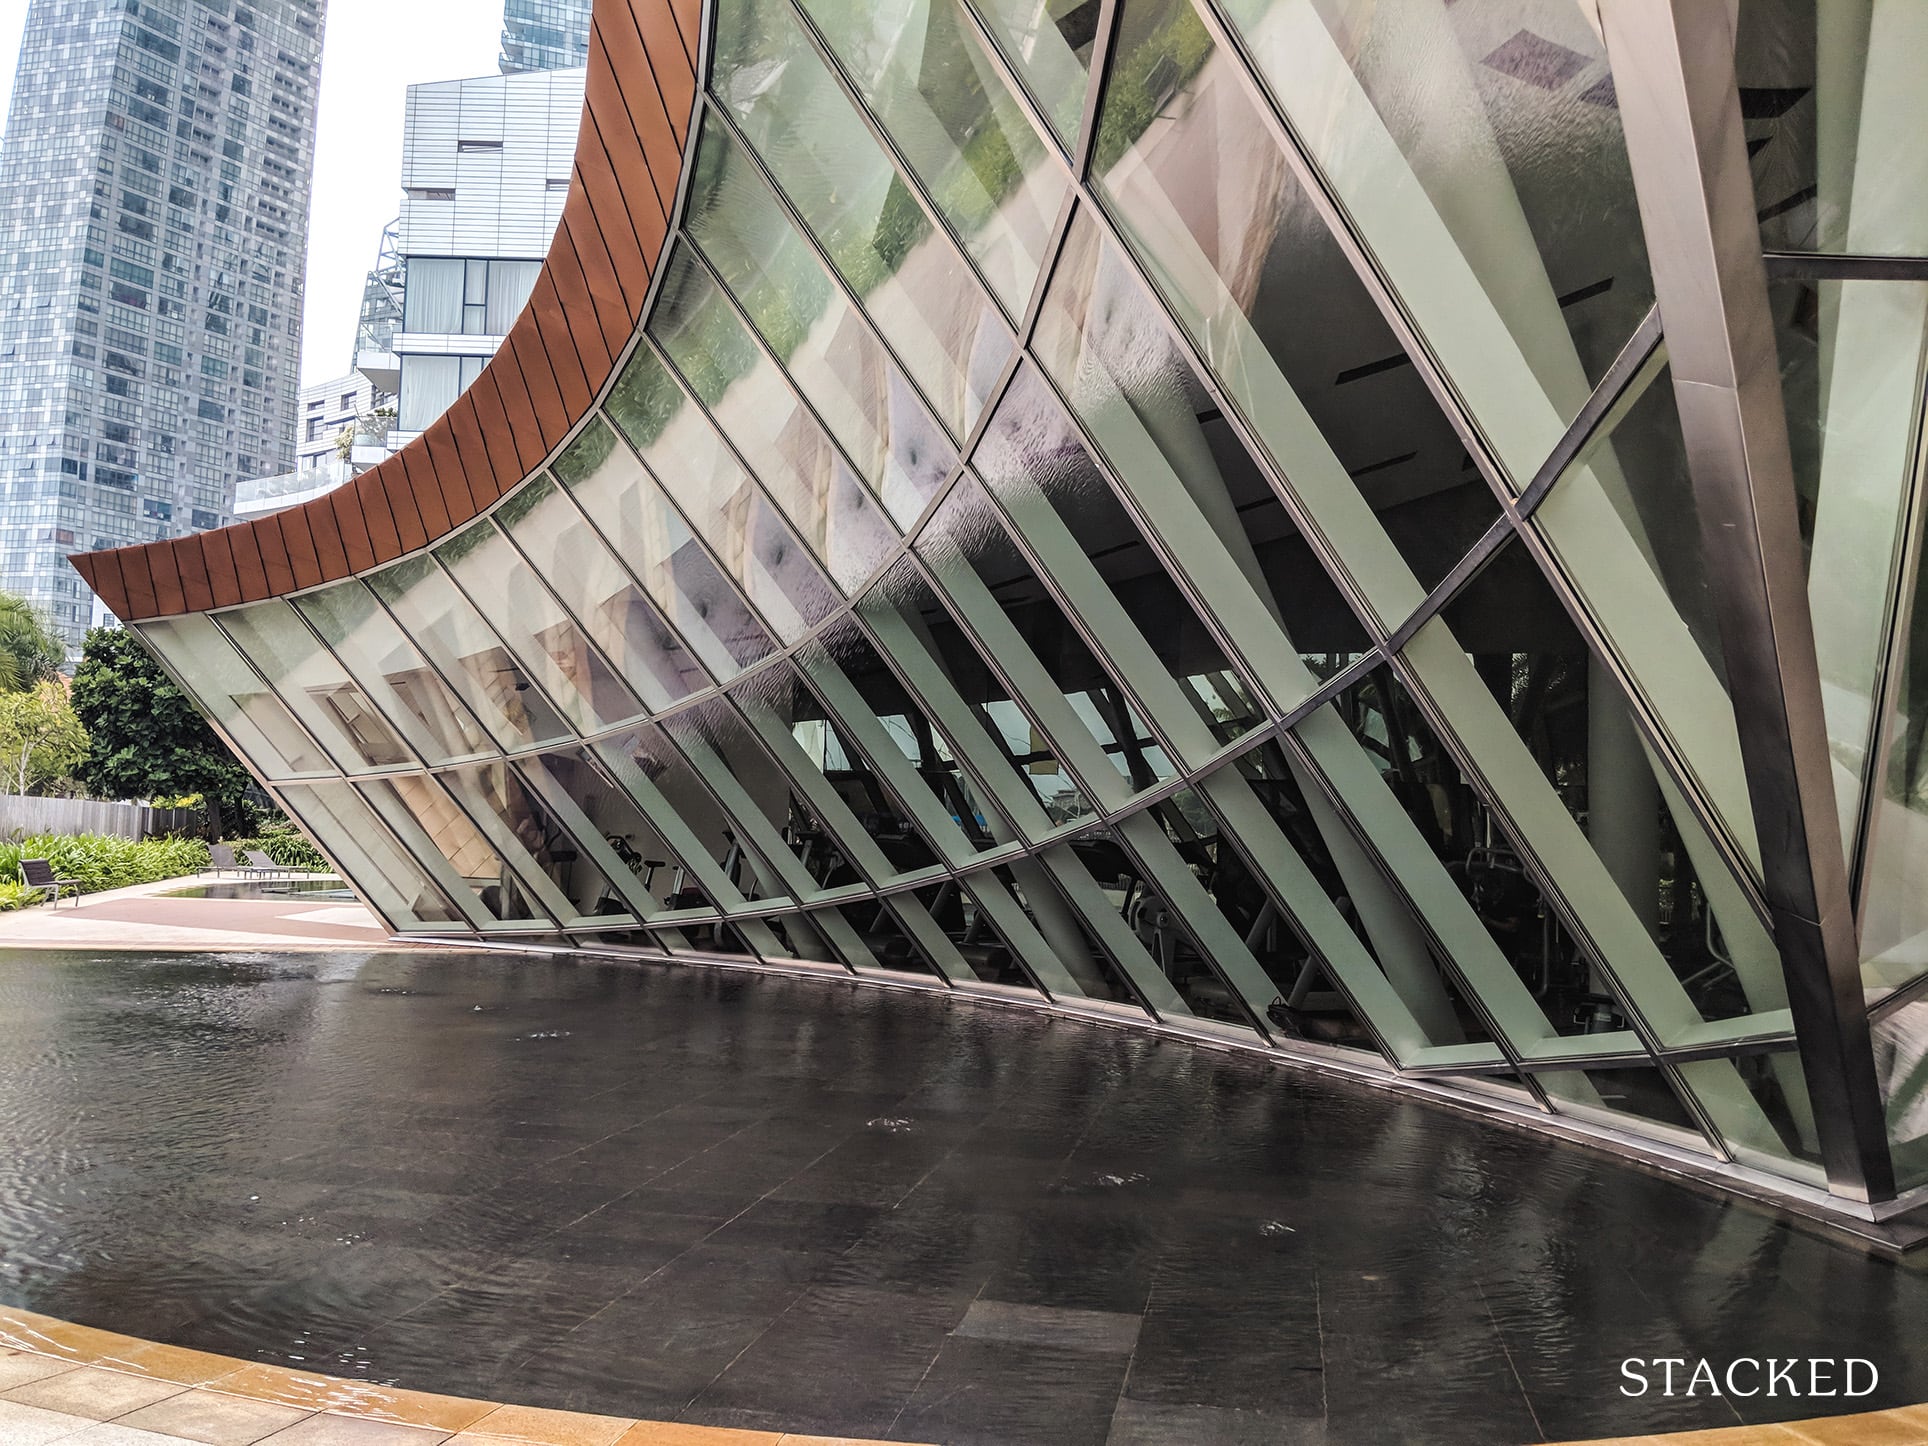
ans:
(143, 917)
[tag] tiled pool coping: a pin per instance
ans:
(65, 1383)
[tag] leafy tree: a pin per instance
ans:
(147, 739)
(29, 651)
(41, 738)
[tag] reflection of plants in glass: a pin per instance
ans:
(1169, 50)
(643, 403)
(700, 332)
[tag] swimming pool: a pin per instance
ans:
(769, 1202)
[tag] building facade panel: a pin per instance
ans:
(1222, 554)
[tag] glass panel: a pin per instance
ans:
(229, 691)
(1241, 255)
(1343, 950)
(560, 876)
(953, 931)
(764, 802)
(1049, 935)
(1623, 524)
(430, 384)
(950, 678)
(453, 635)
(645, 530)
(1901, 1064)
(1642, 1100)
(1048, 43)
(1081, 706)
(1105, 341)
(806, 476)
(1465, 875)
(596, 811)
(728, 511)
(433, 297)
(1523, 692)
(315, 687)
(456, 852)
(383, 872)
(895, 730)
(708, 869)
(909, 276)
(1759, 1106)
(865, 813)
(1851, 364)
(1831, 97)
(822, 342)
(399, 679)
(545, 638)
(922, 72)
(510, 283)
(599, 590)
(1894, 906)
(1034, 462)
(1521, 259)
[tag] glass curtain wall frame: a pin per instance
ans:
(1071, 859)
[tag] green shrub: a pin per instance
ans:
(15, 895)
(103, 861)
(286, 847)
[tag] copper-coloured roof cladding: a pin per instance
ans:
(641, 93)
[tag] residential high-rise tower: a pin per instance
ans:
(154, 190)
(544, 35)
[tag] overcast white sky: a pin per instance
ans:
(375, 50)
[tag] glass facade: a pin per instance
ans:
(1190, 524)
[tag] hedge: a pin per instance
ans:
(103, 861)
(99, 861)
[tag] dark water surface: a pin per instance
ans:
(755, 1201)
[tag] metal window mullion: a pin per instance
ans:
(755, 477)
(1157, 535)
(906, 177)
(1658, 738)
(1627, 378)
(1680, 111)
(1104, 39)
(1489, 797)
(749, 476)
(1012, 657)
(803, 402)
(662, 618)
(1104, 616)
(1358, 253)
(711, 106)
(1904, 572)
(576, 732)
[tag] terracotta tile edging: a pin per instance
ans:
(463, 1421)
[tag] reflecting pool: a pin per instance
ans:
(756, 1201)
